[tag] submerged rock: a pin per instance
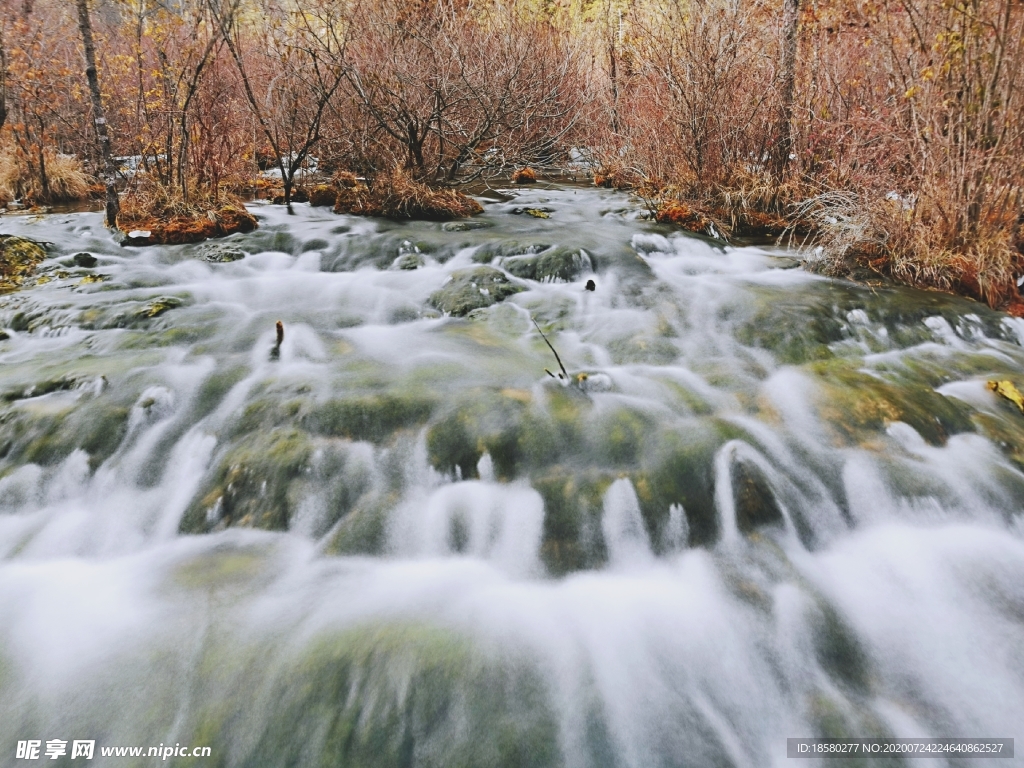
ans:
(859, 406)
(86, 260)
(495, 249)
(559, 264)
(251, 484)
(474, 288)
(19, 258)
(385, 693)
(220, 252)
(157, 307)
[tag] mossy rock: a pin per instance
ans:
(46, 435)
(371, 417)
(158, 306)
(618, 438)
(573, 505)
(859, 406)
(558, 264)
(473, 288)
(520, 436)
(503, 249)
(19, 258)
(252, 483)
(794, 332)
(363, 531)
(379, 696)
(680, 469)
(220, 253)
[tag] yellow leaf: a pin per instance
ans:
(1009, 391)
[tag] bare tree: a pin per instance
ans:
(709, 70)
(460, 93)
(3, 77)
(99, 118)
(300, 56)
(784, 127)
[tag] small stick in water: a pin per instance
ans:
(563, 374)
(275, 353)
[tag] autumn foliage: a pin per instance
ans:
(888, 132)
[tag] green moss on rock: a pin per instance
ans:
(19, 258)
(380, 695)
(473, 288)
(371, 417)
(252, 483)
(559, 264)
(858, 406)
(47, 436)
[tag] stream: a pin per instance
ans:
(764, 505)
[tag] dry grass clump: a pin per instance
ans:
(682, 215)
(66, 179)
(911, 241)
(171, 219)
(524, 176)
(746, 204)
(395, 195)
(322, 195)
(618, 178)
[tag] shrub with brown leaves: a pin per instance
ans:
(396, 195)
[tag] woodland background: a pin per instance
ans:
(887, 134)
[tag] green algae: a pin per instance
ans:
(473, 288)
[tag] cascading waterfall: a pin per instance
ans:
(768, 505)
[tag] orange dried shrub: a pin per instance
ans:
(682, 215)
(323, 195)
(617, 178)
(395, 195)
(345, 179)
(524, 176)
(171, 219)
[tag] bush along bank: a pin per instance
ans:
(396, 195)
(152, 214)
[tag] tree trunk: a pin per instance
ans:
(3, 82)
(103, 136)
(784, 126)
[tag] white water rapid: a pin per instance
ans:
(768, 505)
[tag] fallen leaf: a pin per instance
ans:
(1007, 390)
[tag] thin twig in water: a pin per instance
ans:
(564, 373)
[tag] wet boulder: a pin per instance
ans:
(559, 264)
(19, 258)
(755, 502)
(501, 249)
(219, 253)
(474, 288)
(252, 485)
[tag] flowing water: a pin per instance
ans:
(774, 506)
